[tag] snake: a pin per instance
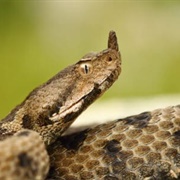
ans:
(33, 145)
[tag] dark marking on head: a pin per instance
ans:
(55, 109)
(112, 146)
(139, 121)
(27, 122)
(43, 120)
(74, 141)
(23, 133)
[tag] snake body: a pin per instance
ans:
(138, 147)
(143, 146)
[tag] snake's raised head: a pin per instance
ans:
(52, 107)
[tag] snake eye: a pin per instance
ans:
(85, 68)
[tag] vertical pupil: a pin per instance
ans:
(86, 68)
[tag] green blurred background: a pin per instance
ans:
(39, 38)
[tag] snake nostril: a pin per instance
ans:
(109, 59)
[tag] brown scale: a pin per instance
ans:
(138, 147)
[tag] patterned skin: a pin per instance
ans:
(145, 146)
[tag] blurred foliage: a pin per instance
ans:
(39, 38)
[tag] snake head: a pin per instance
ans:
(86, 81)
(52, 107)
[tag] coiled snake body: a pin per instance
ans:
(145, 146)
